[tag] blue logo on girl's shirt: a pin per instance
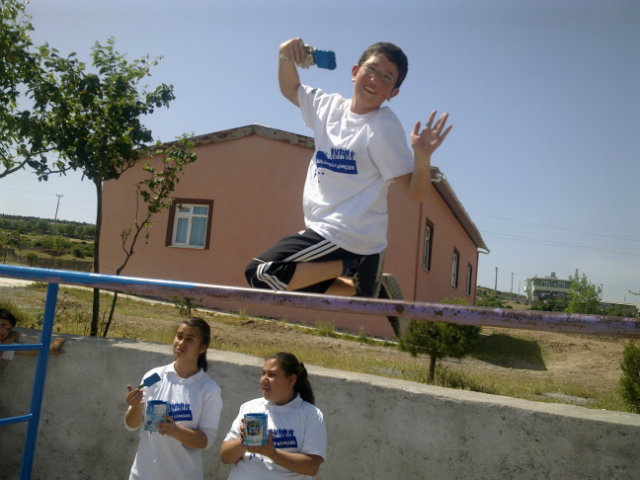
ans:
(283, 438)
(181, 412)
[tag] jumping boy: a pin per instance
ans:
(360, 149)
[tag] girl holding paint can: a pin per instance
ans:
(296, 444)
(194, 403)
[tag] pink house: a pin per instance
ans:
(223, 216)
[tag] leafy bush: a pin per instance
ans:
(550, 305)
(630, 381)
(490, 300)
(58, 263)
(77, 252)
(31, 258)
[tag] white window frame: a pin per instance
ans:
(176, 215)
(561, 285)
(545, 283)
(455, 265)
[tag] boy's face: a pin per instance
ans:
(374, 82)
(5, 328)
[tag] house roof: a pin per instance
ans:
(440, 182)
(448, 195)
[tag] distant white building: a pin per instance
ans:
(624, 306)
(538, 288)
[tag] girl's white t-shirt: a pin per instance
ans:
(195, 403)
(356, 159)
(297, 427)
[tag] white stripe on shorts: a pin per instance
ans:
(270, 280)
(314, 251)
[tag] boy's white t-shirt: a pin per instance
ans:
(298, 427)
(356, 159)
(195, 403)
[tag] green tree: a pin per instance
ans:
(24, 141)
(584, 296)
(95, 119)
(43, 226)
(156, 193)
(89, 231)
(439, 340)
(60, 243)
(630, 381)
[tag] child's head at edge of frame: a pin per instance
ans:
(7, 322)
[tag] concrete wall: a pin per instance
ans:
(378, 428)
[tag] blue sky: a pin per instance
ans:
(543, 97)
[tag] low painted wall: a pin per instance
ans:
(378, 428)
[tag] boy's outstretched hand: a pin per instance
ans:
(431, 137)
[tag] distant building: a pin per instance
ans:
(626, 307)
(538, 288)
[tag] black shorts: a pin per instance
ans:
(274, 268)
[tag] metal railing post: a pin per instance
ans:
(38, 383)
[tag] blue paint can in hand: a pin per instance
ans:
(256, 432)
(156, 409)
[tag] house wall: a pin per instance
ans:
(377, 428)
(435, 285)
(256, 185)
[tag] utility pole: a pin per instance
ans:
(55, 219)
(495, 289)
(602, 292)
(512, 286)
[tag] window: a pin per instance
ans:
(428, 246)
(469, 277)
(189, 223)
(561, 285)
(454, 268)
(546, 284)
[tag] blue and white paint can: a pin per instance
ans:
(156, 409)
(256, 431)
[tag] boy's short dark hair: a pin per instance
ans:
(395, 56)
(7, 315)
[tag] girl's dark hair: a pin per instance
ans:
(7, 315)
(290, 364)
(205, 331)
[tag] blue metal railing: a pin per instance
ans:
(33, 418)
(456, 314)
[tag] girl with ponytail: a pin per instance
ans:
(297, 442)
(195, 410)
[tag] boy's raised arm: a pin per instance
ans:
(416, 185)
(291, 52)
